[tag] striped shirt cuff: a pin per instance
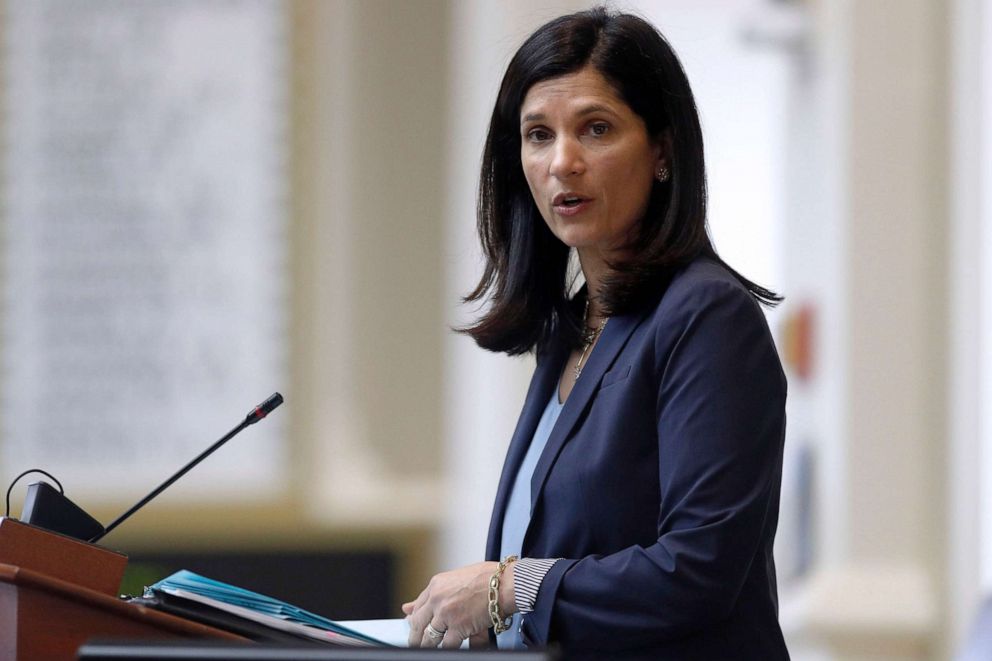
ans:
(528, 574)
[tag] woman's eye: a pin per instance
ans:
(599, 128)
(538, 135)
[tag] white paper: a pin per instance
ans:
(394, 632)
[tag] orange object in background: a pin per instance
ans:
(797, 341)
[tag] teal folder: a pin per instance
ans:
(259, 608)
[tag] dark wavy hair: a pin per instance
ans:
(526, 278)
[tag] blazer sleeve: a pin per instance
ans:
(720, 427)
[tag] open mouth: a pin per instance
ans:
(568, 200)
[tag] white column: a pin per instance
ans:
(371, 137)
(868, 228)
(969, 384)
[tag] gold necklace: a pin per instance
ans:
(589, 338)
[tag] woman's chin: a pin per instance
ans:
(578, 240)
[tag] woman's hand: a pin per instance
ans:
(457, 603)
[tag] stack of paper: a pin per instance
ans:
(260, 608)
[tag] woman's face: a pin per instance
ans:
(588, 160)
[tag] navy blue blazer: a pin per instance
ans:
(659, 485)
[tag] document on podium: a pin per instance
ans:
(254, 607)
(392, 632)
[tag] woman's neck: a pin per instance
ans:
(593, 269)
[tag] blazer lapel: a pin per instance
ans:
(613, 339)
(542, 384)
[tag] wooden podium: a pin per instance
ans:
(57, 592)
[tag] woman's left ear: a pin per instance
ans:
(663, 144)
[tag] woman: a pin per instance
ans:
(640, 490)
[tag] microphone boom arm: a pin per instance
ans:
(254, 416)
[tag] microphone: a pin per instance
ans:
(253, 416)
(263, 409)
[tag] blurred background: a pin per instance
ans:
(208, 200)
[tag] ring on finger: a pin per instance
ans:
(434, 633)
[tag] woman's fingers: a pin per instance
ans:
(479, 641)
(433, 634)
(416, 634)
(416, 617)
(452, 639)
(418, 627)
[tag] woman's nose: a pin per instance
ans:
(567, 159)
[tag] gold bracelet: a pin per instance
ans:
(500, 624)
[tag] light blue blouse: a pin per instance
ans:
(518, 512)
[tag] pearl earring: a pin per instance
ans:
(662, 174)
